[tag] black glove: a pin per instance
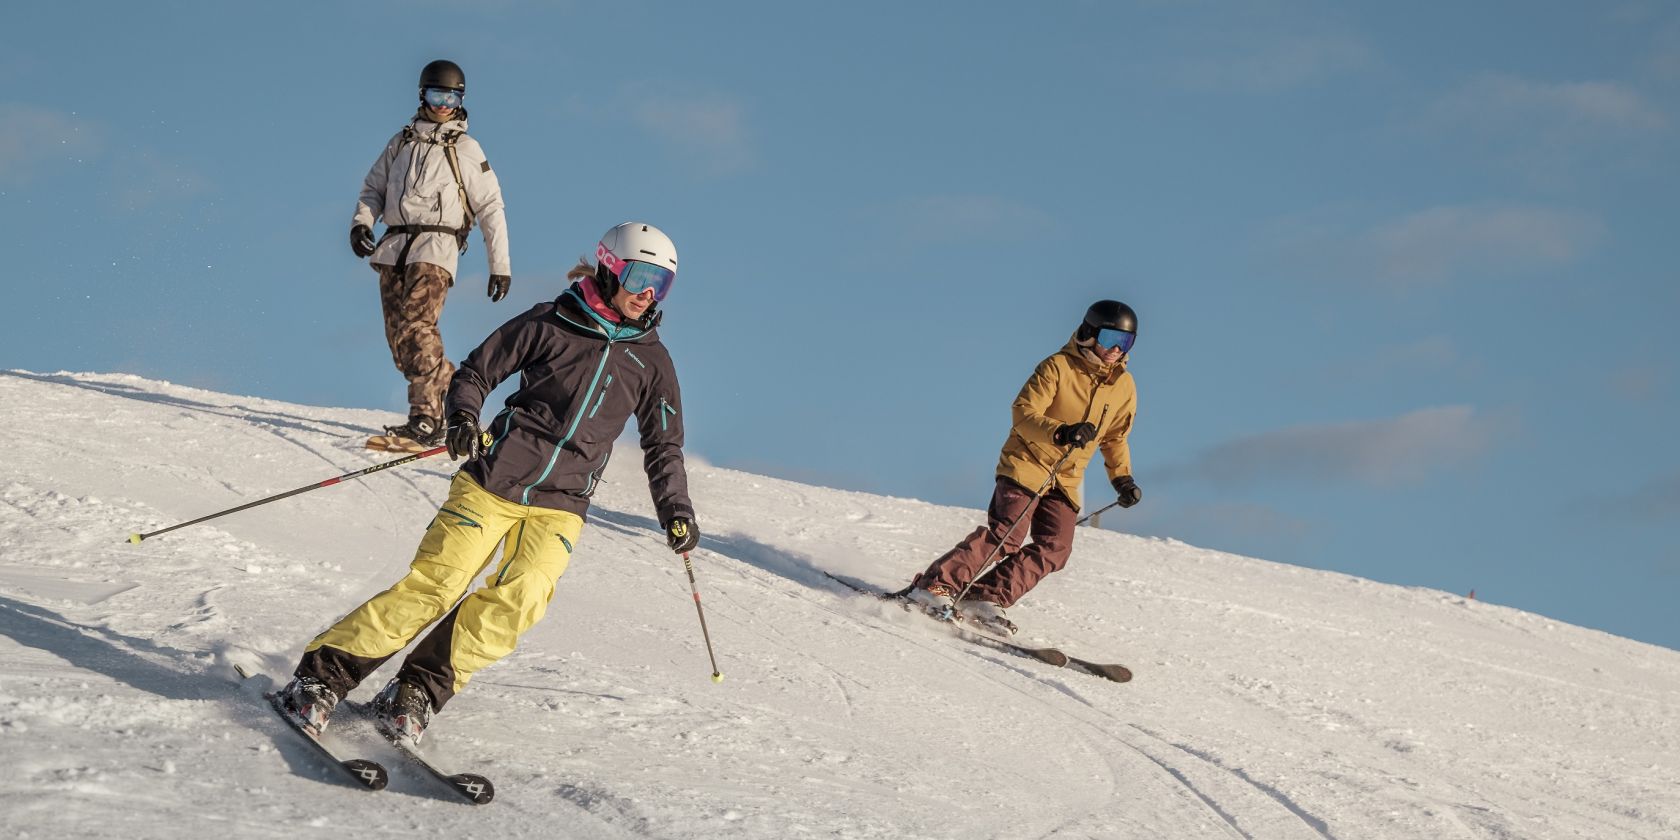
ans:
(499, 284)
(1129, 492)
(361, 240)
(463, 437)
(1075, 434)
(682, 535)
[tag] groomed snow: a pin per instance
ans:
(1271, 701)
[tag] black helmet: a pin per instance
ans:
(443, 74)
(1107, 314)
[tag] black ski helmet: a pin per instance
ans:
(1107, 314)
(443, 74)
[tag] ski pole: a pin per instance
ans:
(986, 566)
(1096, 512)
(135, 538)
(717, 676)
(1031, 504)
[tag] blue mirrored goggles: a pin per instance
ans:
(1110, 339)
(442, 97)
(638, 277)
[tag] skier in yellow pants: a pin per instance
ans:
(587, 361)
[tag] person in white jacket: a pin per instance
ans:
(429, 186)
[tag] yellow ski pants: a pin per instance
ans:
(461, 542)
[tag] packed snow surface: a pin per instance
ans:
(1271, 701)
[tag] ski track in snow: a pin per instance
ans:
(1271, 701)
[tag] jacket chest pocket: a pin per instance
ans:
(601, 398)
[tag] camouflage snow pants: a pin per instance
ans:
(413, 301)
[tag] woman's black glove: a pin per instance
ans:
(682, 535)
(1128, 490)
(463, 437)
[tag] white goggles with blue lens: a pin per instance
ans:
(442, 97)
(637, 277)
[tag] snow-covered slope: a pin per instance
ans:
(1271, 701)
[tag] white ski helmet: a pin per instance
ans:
(632, 241)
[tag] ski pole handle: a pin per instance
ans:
(135, 538)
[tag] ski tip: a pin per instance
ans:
(371, 775)
(135, 538)
(474, 787)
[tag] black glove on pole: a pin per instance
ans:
(1075, 435)
(361, 241)
(1128, 491)
(463, 437)
(499, 284)
(682, 535)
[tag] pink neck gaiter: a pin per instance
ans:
(592, 296)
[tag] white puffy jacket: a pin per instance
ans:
(411, 184)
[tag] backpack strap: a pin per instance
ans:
(447, 141)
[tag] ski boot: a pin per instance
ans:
(423, 430)
(935, 600)
(987, 615)
(309, 702)
(402, 710)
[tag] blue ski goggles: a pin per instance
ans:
(638, 277)
(442, 97)
(1109, 339)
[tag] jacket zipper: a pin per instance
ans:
(525, 498)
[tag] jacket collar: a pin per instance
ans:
(1083, 361)
(573, 307)
(421, 125)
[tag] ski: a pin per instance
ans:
(471, 786)
(367, 774)
(1049, 656)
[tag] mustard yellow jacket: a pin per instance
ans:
(1069, 387)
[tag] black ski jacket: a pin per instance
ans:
(580, 378)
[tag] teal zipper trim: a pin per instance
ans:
(664, 422)
(514, 552)
(525, 498)
(565, 542)
(505, 429)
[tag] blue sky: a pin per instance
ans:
(1405, 307)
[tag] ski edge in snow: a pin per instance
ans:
(370, 775)
(1050, 656)
(471, 786)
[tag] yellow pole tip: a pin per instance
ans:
(134, 538)
(717, 678)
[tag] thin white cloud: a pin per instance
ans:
(1399, 450)
(1504, 102)
(708, 131)
(1436, 353)
(1665, 54)
(1655, 501)
(956, 218)
(33, 138)
(1443, 244)
(1268, 62)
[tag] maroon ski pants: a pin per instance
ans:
(1049, 522)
